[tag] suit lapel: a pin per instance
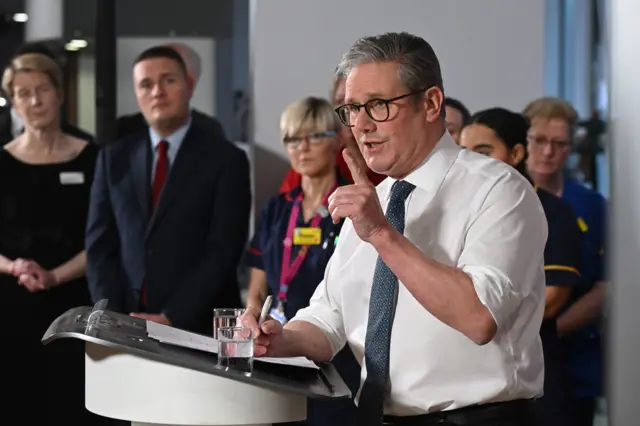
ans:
(139, 159)
(184, 164)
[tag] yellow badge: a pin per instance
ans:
(583, 225)
(307, 236)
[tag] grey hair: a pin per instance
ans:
(419, 68)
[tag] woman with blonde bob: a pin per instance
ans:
(296, 236)
(46, 178)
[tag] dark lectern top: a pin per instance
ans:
(129, 334)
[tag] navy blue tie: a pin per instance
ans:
(382, 308)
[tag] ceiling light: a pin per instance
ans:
(79, 43)
(20, 17)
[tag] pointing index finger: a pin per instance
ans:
(356, 163)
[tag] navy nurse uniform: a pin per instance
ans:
(584, 346)
(266, 253)
(561, 267)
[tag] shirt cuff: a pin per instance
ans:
(495, 292)
(328, 321)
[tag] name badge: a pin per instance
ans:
(307, 236)
(71, 178)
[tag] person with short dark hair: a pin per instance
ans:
(456, 116)
(129, 124)
(502, 134)
(170, 204)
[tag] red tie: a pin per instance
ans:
(159, 178)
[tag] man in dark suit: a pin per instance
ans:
(128, 124)
(170, 205)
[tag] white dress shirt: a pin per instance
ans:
(474, 213)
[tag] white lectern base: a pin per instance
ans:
(155, 424)
(128, 387)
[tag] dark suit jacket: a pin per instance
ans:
(6, 136)
(187, 252)
(130, 124)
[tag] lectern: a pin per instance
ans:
(134, 377)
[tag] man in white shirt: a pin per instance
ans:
(437, 282)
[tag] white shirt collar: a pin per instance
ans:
(174, 140)
(432, 171)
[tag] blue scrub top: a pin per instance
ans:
(584, 349)
(265, 250)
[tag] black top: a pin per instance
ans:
(43, 212)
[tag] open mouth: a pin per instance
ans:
(372, 144)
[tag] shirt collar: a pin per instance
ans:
(430, 174)
(175, 139)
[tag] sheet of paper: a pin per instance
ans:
(177, 337)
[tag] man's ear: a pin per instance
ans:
(434, 103)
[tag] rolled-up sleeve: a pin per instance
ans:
(325, 307)
(504, 248)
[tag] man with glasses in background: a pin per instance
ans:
(437, 282)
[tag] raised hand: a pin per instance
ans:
(359, 202)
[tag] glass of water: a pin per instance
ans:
(225, 317)
(235, 349)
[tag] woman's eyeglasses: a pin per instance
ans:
(293, 142)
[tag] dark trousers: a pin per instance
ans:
(583, 411)
(513, 413)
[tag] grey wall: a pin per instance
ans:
(624, 337)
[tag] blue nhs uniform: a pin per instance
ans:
(584, 346)
(562, 268)
(265, 253)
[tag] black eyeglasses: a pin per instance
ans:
(377, 109)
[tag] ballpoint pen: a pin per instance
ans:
(265, 309)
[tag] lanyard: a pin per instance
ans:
(290, 269)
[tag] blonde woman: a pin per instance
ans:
(296, 236)
(46, 177)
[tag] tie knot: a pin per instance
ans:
(400, 191)
(163, 146)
